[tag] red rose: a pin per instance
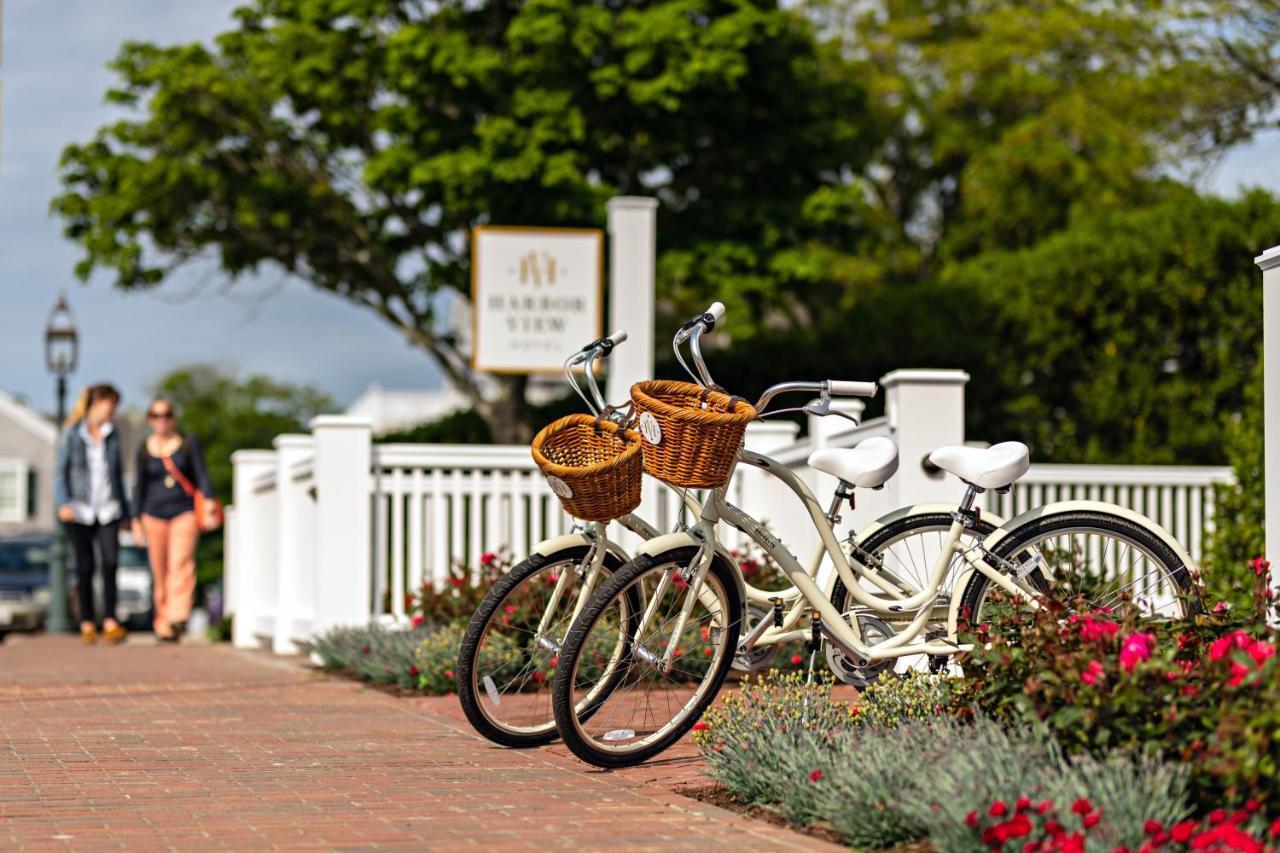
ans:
(1024, 803)
(413, 670)
(998, 809)
(1081, 806)
(1217, 816)
(796, 659)
(815, 776)
(1151, 827)
(972, 819)
(700, 726)
(1089, 821)
(1181, 832)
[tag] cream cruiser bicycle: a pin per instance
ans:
(511, 648)
(668, 624)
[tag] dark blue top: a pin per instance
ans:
(159, 494)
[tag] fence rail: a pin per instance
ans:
(332, 529)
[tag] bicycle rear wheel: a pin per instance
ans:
(505, 668)
(1106, 559)
(653, 704)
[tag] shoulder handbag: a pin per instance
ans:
(208, 510)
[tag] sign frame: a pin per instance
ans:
(476, 232)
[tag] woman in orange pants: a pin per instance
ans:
(170, 469)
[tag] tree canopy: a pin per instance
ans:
(353, 143)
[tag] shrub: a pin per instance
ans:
(893, 700)
(461, 593)
(789, 746)
(1204, 691)
(373, 653)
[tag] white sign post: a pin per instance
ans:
(536, 296)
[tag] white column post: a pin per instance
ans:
(925, 410)
(1269, 262)
(632, 261)
(244, 596)
(290, 450)
(344, 526)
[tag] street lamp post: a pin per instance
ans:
(61, 345)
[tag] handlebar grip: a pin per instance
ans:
(852, 389)
(617, 337)
(716, 310)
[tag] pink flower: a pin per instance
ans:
(1097, 629)
(1092, 674)
(815, 776)
(1221, 607)
(1137, 648)
(1224, 644)
(448, 673)
(417, 620)
(700, 726)
(1260, 651)
(1259, 566)
(796, 659)
(1238, 673)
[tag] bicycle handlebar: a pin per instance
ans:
(841, 388)
(586, 357)
(838, 387)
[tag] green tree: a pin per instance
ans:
(227, 413)
(353, 143)
(1130, 337)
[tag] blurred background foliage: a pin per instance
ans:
(1013, 188)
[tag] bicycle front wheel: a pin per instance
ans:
(505, 665)
(1106, 559)
(671, 665)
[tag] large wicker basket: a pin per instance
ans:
(691, 434)
(592, 465)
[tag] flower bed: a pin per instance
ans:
(1073, 730)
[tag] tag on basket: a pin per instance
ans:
(650, 428)
(559, 487)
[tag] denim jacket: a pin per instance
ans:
(71, 478)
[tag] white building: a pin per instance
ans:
(27, 444)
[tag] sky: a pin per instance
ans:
(54, 77)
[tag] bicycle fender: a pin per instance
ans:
(1063, 507)
(547, 547)
(916, 509)
(671, 541)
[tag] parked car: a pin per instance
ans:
(24, 583)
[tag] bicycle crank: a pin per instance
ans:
(874, 630)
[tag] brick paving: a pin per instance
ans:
(152, 747)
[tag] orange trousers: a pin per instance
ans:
(171, 545)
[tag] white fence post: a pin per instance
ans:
(632, 254)
(925, 410)
(344, 527)
(292, 544)
(247, 593)
(1269, 262)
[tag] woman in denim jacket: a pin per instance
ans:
(89, 491)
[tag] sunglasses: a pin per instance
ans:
(160, 416)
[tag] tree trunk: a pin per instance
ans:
(508, 414)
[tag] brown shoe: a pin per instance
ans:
(88, 635)
(115, 634)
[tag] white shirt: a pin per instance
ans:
(102, 506)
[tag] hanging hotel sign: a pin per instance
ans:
(536, 296)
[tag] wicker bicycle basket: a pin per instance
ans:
(691, 434)
(592, 465)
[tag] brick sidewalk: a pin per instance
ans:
(146, 746)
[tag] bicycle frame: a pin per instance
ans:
(716, 508)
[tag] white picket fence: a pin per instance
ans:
(331, 529)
